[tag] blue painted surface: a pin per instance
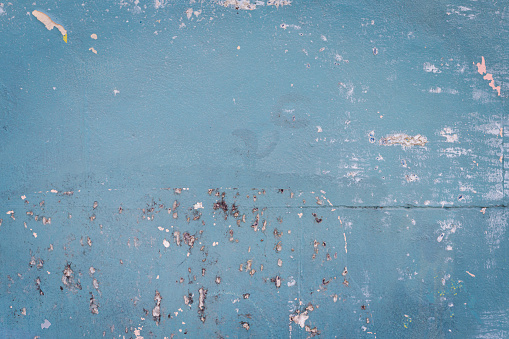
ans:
(291, 104)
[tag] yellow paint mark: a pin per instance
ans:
(65, 38)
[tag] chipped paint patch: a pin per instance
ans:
(137, 332)
(411, 177)
(49, 24)
(201, 303)
(300, 319)
(481, 69)
(156, 311)
(94, 307)
(404, 140)
(249, 6)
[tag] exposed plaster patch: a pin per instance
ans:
(176, 237)
(411, 177)
(94, 307)
(188, 299)
(156, 311)
(248, 5)
(189, 239)
(201, 303)
(481, 69)
(300, 319)
(404, 140)
(38, 286)
(440, 237)
(277, 281)
(68, 278)
(49, 24)
(137, 332)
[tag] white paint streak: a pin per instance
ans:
(429, 67)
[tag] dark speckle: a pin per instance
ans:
(318, 220)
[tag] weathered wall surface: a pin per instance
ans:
(253, 169)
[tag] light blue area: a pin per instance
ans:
(254, 102)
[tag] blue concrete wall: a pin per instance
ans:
(254, 169)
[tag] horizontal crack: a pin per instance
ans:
(405, 207)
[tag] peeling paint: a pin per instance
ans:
(49, 24)
(201, 303)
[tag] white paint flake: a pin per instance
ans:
(447, 133)
(45, 324)
(429, 67)
(300, 319)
